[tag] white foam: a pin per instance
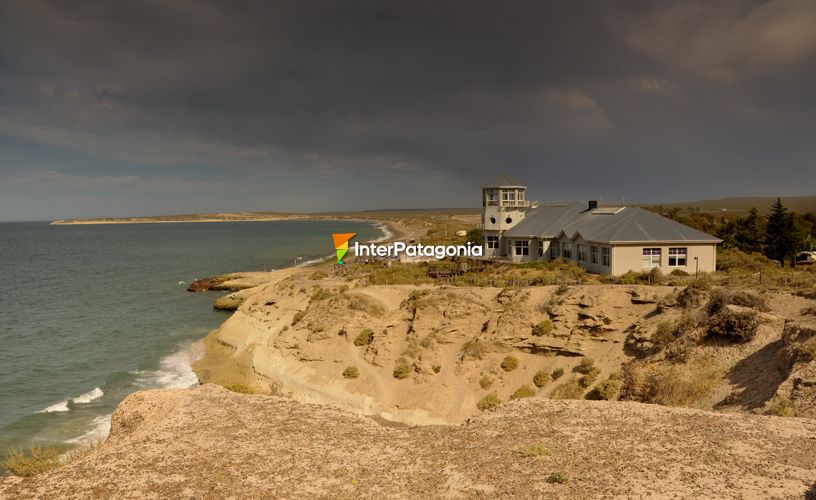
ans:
(61, 406)
(88, 396)
(387, 234)
(175, 370)
(100, 428)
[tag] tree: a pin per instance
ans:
(750, 232)
(782, 236)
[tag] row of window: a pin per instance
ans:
(652, 257)
(506, 195)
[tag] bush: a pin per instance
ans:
(606, 390)
(738, 326)
(436, 368)
(782, 407)
(524, 391)
(678, 272)
(570, 390)
(485, 382)
(668, 331)
(748, 299)
(541, 379)
(586, 365)
(557, 478)
(488, 402)
(36, 460)
(543, 328)
(692, 295)
(402, 370)
(668, 384)
(628, 278)
(557, 373)
(590, 378)
(509, 364)
(717, 302)
(322, 294)
(808, 349)
(318, 275)
(351, 372)
(365, 337)
(562, 289)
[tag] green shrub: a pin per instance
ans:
(534, 450)
(365, 337)
(541, 378)
(351, 372)
(738, 326)
(586, 365)
(717, 301)
(748, 299)
(628, 278)
(606, 390)
(524, 391)
(436, 368)
(557, 373)
(509, 363)
(669, 384)
(557, 478)
(488, 402)
(589, 378)
(36, 460)
(678, 272)
(485, 382)
(569, 390)
(782, 407)
(402, 370)
(543, 328)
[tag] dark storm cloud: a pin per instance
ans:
(648, 100)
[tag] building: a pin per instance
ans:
(603, 240)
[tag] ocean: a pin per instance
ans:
(91, 313)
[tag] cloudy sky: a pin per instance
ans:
(112, 108)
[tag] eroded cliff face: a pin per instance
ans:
(300, 335)
(207, 442)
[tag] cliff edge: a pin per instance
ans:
(209, 442)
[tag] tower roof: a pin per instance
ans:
(503, 180)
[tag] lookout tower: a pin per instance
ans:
(504, 203)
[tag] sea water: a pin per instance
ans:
(91, 313)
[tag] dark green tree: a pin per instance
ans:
(750, 232)
(782, 236)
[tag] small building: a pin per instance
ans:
(603, 240)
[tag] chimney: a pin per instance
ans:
(593, 204)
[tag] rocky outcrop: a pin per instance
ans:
(798, 359)
(207, 442)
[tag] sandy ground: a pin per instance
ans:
(211, 443)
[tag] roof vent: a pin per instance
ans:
(593, 204)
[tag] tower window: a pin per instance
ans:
(492, 220)
(509, 220)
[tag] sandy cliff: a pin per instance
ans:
(208, 442)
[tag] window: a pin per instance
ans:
(492, 242)
(593, 254)
(541, 249)
(553, 250)
(651, 257)
(566, 250)
(522, 247)
(605, 257)
(492, 197)
(582, 255)
(677, 256)
(509, 220)
(508, 195)
(492, 220)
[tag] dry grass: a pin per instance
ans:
(534, 450)
(485, 382)
(570, 390)
(402, 370)
(475, 349)
(542, 328)
(782, 407)
(488, 402)
(541, 378)
(669, 384)
(509, 363)
(36, 460)
(351, 372)
(525, 391)
(363, 338)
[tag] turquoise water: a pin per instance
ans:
(89, 314)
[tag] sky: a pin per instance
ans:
(118, 108)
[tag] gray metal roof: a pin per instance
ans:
(629, 225)
(503, 180)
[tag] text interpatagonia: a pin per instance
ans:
(417, 250)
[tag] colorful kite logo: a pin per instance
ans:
(341, 245)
